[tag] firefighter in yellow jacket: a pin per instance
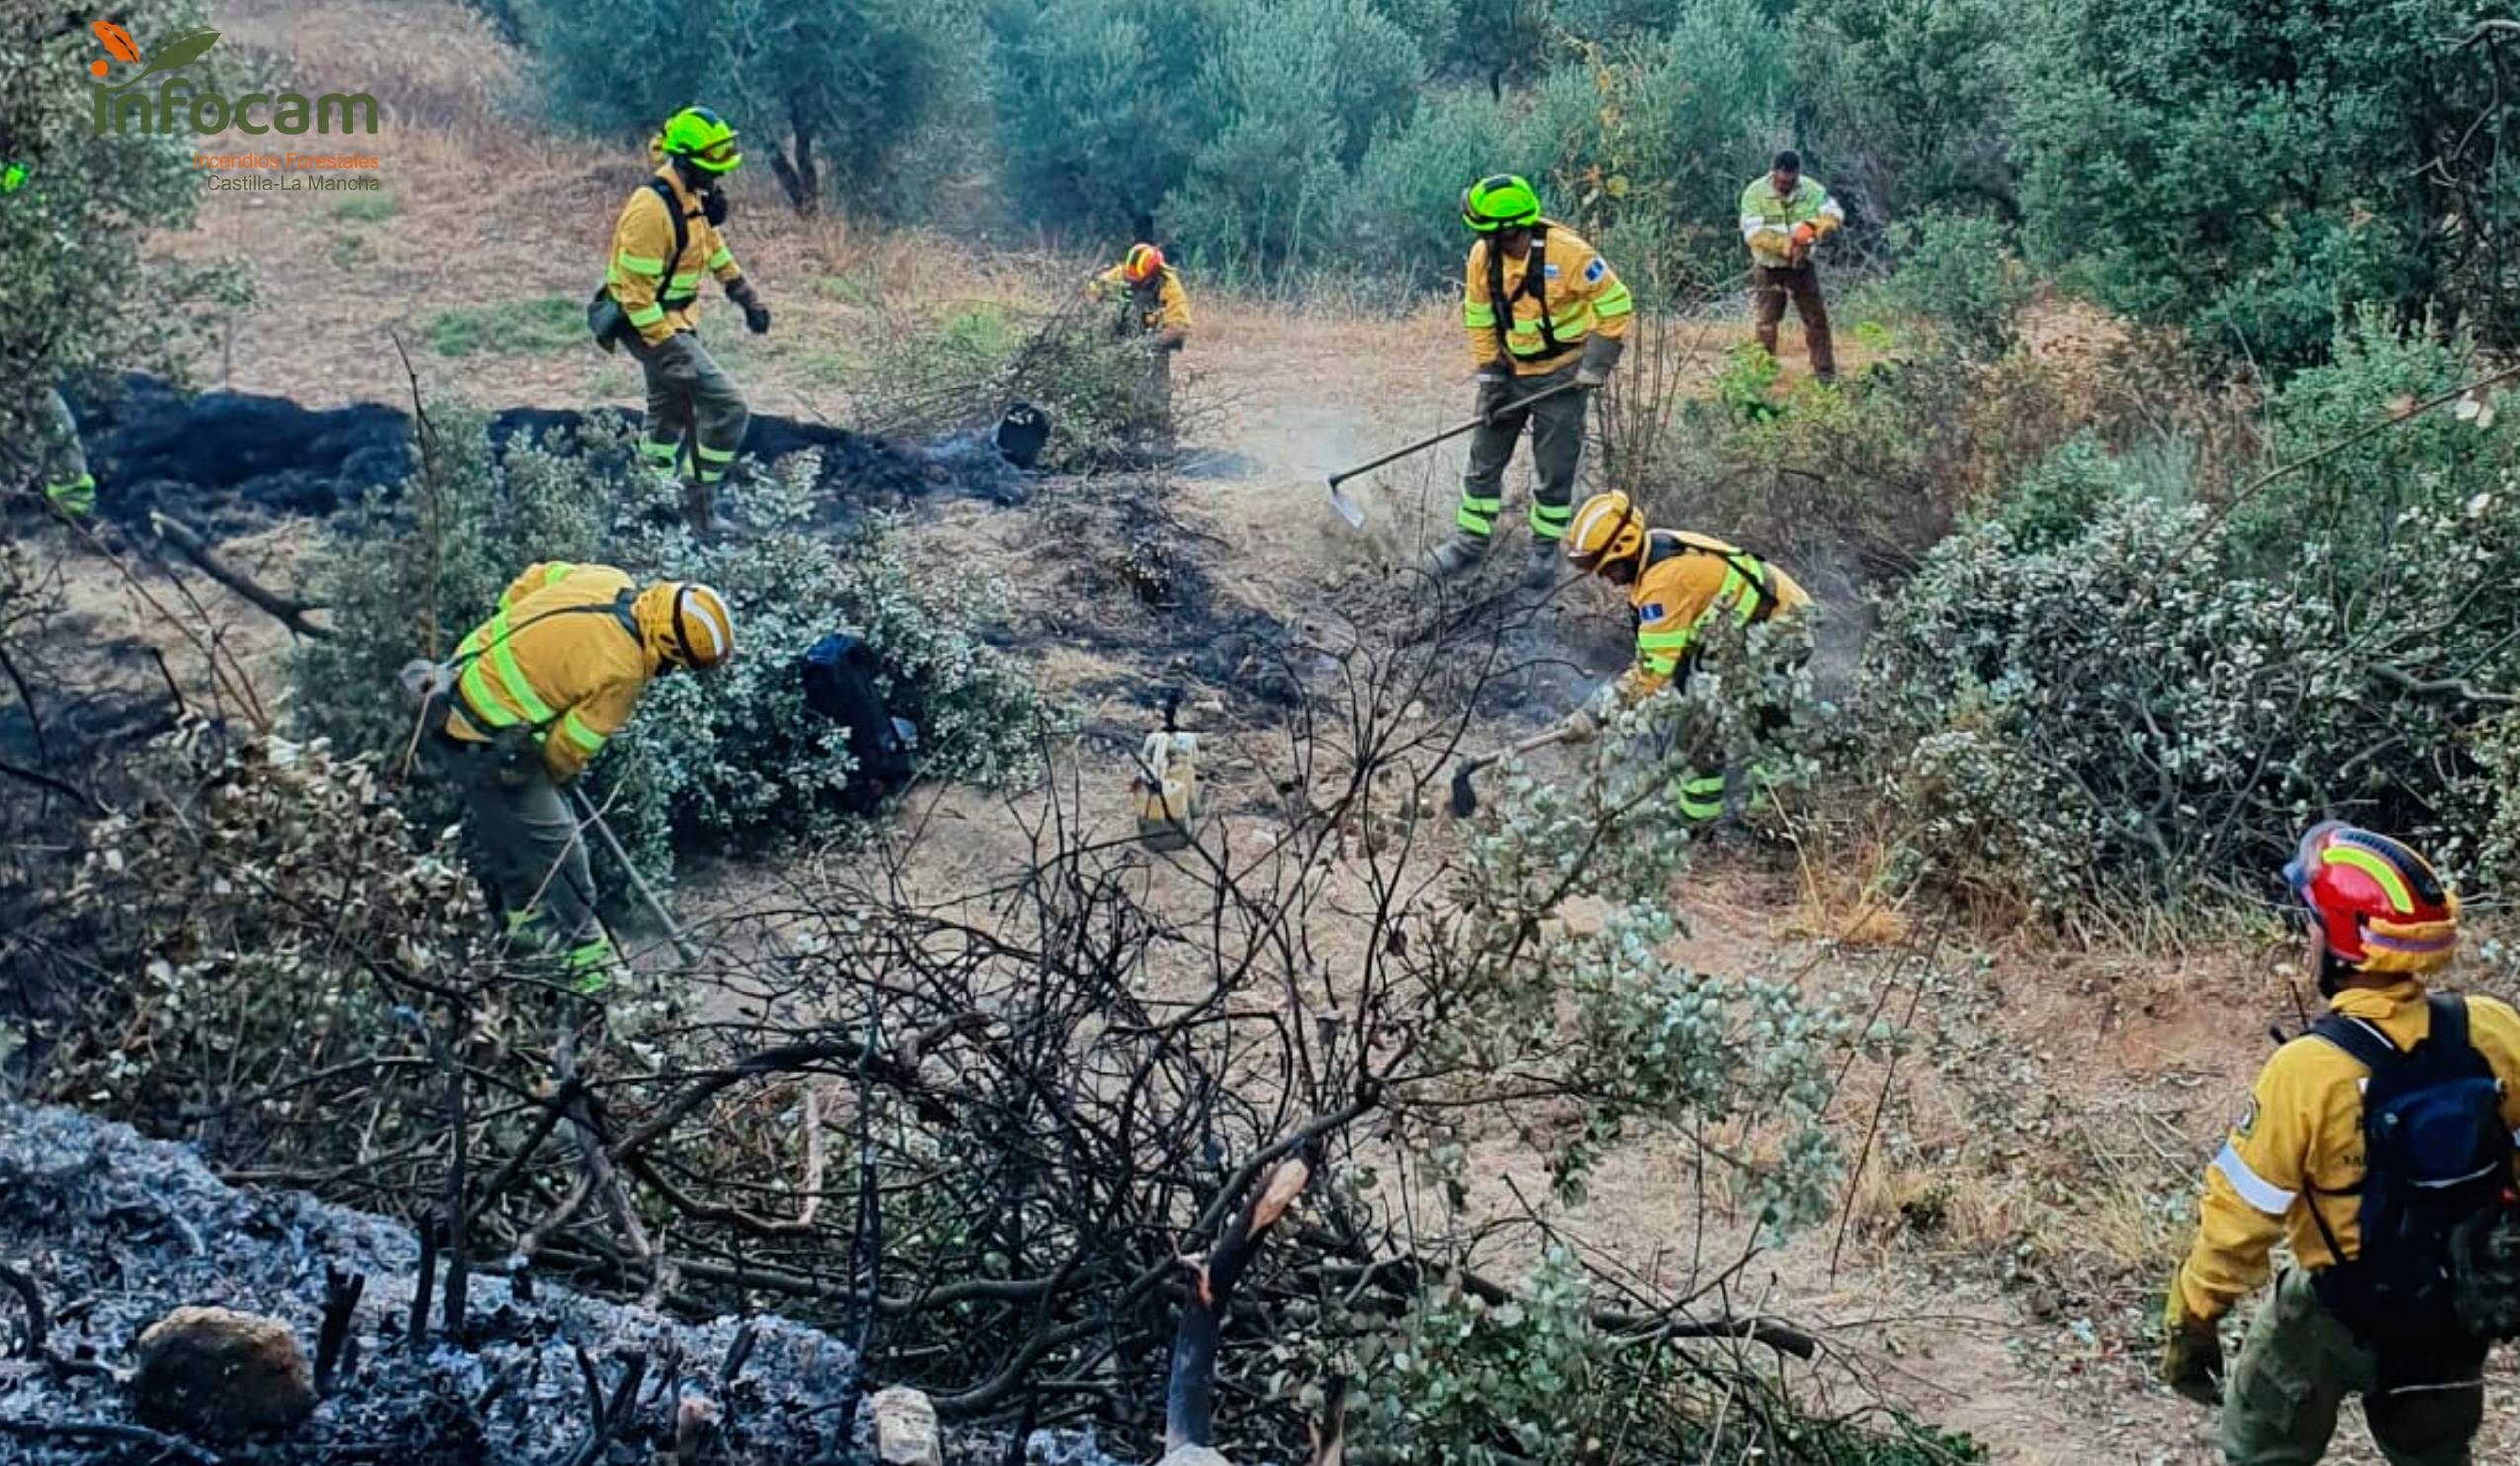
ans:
(538, 688)
(1155, 310)
(1678, 585)
(1544, 314)
(665, 237)
(2392, 1321)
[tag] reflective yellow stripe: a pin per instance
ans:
(683, 285)
(661, 452)
(714, 455)
(638, 264)
(1478, 316)
(556, 571)
(1665, 640)
(721, 259)
(574, 729)
(645, 315)
(1615, 300)
(501, 659)
(478, 702)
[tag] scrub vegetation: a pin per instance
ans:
(2166, 502)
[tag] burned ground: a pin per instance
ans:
(110, 1231)
(230, 463)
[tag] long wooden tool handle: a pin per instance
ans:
(1541, 739)
(1422, 444)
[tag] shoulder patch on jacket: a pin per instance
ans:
(2248, 1123)
(1548, 271)
(1597, 269)
(1649, 611)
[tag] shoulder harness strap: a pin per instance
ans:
(2363, 1041)
(1534, 285)
(682, 243)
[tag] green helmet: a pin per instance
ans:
(701, 138)
(1500, 201)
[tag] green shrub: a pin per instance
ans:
(1300, 90)
(2251, 172)
(2349, 504)
(70, 234)
(1470, 1379)
(1096, 110)
(2092, 693)
(733, 758)
(832, 94)
(366, 208)
(543, 323)
(1401, 211)
(1954, 271)
(1911, 103)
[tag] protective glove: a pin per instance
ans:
(677, 359)
(1582, 726)
(1496, 389)
(756, 316)
(2191, 1353)
(1601, 353)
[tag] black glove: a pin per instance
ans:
(715, 207)
(1496, 389)
(756, 316)
(677, 359)
(1601, 353)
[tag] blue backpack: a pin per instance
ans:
(2437, 1181)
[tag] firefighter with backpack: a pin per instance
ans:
(1679, 586)
(665, 237)
(2380, 1144)
(532, 696)
(1546, 319)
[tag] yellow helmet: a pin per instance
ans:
(1607, 530)
(702, 628)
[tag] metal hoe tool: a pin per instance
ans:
(683, 947)
(1465, 797)
(1354, 514)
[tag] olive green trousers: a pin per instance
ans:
(2279, 1406)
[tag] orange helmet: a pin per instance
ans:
(1144, 263)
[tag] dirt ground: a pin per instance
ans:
(2024, 1171)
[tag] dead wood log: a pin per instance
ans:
(290, 613)
(1190, 1387)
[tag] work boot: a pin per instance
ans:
(696, 499)
(1541, 572)
(1456, 555)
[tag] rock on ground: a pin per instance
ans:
(220, 1373)
(133, 1228)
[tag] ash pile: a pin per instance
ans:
(105, 1234)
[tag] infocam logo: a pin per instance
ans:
(176, 105)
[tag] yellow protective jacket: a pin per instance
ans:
(1688, 581)
(1166, 308)
(2299, 1144)
(659, 295)
(1578, 294)
(1768, 217)
(566, 655)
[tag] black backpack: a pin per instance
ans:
(2437, 1185)
(839, 678)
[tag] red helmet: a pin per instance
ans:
(2375, 905)
(1144, 263)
